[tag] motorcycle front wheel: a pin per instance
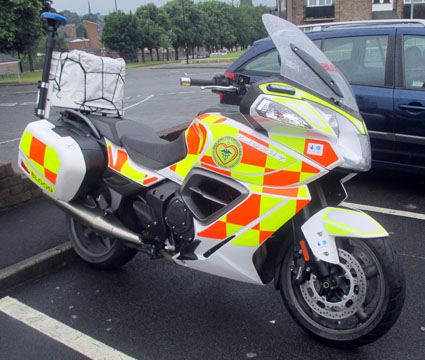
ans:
(99, 251)
(357, 303)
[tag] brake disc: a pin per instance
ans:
(352, 299)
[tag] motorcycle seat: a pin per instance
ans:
(142, 143)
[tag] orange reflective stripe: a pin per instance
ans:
(193, 140)
(37, 151)
(252, 156)
(148, 181)
(281, 178)
(51, 176)
(120, 161)
(248, 211)
(325, 156)
(215, 231)
(203, 116)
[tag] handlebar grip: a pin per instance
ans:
(187, 81)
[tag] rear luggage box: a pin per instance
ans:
(62, 160)
(86, 82)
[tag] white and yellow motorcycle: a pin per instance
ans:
(247, 193)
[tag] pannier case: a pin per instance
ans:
(60, 158)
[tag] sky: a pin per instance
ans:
(106, 6)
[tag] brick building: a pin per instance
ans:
(304, 12)
(92, 44)
(93, 34)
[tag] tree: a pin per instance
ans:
(122, 33)
(72, 17)
(20, 26)
(165, 41)
(46, 6)
(219, 22)
(248, 24)
(187, 23)
(245, 3)
(90, 17)
(153, 24)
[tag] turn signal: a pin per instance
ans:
(305, 251)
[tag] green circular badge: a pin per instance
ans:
(227, 152)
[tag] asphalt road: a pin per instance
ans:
(153, 309)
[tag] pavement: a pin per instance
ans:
(23, 258)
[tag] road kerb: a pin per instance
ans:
(36, 266)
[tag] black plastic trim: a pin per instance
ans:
(196, 177)
(211, 251)
(317, 69)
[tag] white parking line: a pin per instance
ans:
(28, 103)
(9, 141)
(377, 209)
(139, 102)
(8, 104)
(62, 333)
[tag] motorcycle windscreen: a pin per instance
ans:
(304, 63)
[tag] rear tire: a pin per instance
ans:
(360, 301)
(101, 252)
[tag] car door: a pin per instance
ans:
(366, 57)
(409, 96)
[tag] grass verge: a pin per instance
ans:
(26, 78)
(149, 63)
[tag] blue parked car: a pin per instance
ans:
(384, 61)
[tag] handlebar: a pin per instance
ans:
(187, 81)
(219, 84)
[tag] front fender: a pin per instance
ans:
(323, 227)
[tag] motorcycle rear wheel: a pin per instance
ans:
(357, 304)
(99, 251)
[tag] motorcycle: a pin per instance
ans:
(250, 193)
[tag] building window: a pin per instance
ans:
(414, 1)
(382, 5)
(319, 2)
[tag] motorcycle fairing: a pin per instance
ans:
(243, 229)
(119, 161)
(323, 227)
(262, 161)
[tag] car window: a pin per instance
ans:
(266, 62)
(361, 58)
(414, 61)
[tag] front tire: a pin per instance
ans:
(357, 304)
(101, 252)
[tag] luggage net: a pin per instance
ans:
(86, 82)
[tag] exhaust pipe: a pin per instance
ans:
(92, 218)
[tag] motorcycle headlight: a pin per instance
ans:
(278, 112)
(356, 146)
